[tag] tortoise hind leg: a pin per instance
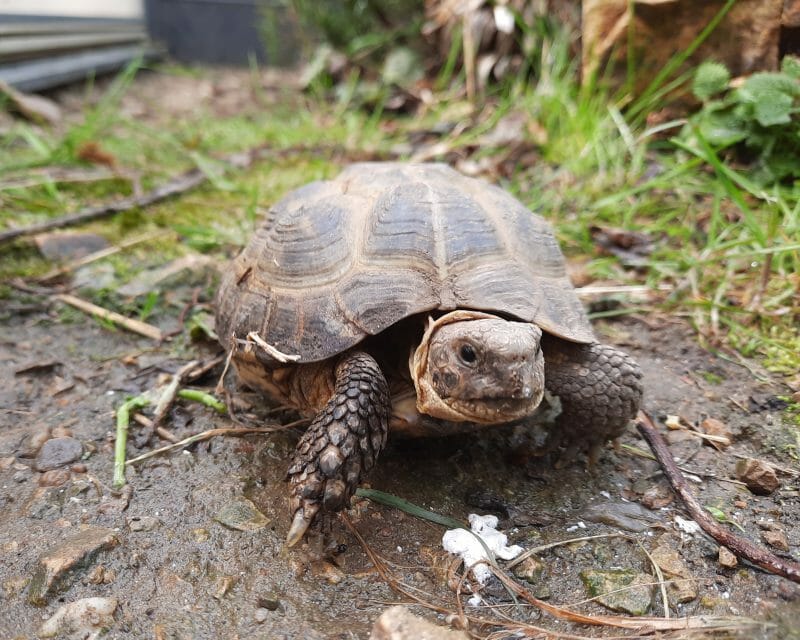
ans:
(600, 388)
(341, 444)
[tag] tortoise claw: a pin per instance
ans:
(300, 524)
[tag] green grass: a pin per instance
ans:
(727, 247)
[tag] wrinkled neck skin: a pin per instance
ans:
(476, 367)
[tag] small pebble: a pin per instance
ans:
(142, 523)
(726, 558)
(21, 476)
(78, 467)
(261, 614)
(776, 538)
(759, 476)
(54, 478)
(58, 452)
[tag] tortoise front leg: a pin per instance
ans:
(341, 444)
(600, 388)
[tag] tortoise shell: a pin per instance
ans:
(338, 260)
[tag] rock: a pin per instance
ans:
(720, 431)
(630, 516)
(326, 571)
(398, 623)
(85, 618)
(240, 513)
(670, 562)
(269, 602)
(726, 558)
(261, 615)
(759, 476)
(68, 245)
(143, 523)
(776, 538)
(530, 570)
(58, 452)
(56, 566)
(620, 589)
(54, 478)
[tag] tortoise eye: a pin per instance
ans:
(467, 354)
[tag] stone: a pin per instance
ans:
(85, 618)
(718, 429)
(530, 570)
(727, 559)
(398, 623)
(240, 513)
(759, 476)
(776, 538)
(143, 523)
(629, 516)
(673, 566)
(54, 478)
(620, 590)
(56, 567)
(58, 452)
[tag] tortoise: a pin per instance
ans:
(410, 298)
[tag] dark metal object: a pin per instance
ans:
(223, 31)
(38, 52)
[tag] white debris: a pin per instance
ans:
(463, 543)
(504, 19)
(687, 526)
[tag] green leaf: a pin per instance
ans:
(774, 108)
(790, 66)
(710, 79)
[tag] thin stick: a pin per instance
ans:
(99, 255)
(137, 326)
(168, 395)
(180, 184)
(147, 423)
(738, 545)
(205, 435)
(552, 545)
(662, 585)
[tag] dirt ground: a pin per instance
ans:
(176, 572)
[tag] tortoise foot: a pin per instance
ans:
(600, 388)
(341, 444)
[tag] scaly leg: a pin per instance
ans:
(341, 444)
(600, 388)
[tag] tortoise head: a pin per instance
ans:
(475, 367)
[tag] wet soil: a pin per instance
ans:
(178, 573)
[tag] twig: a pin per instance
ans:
(99, 255)
(205, 435)
(168, 395)
(739, 546)
(662, 585)
(532, 552)
(137, 326)
(121, 439)
(147, 423)
(180, 184)
(271, 351)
